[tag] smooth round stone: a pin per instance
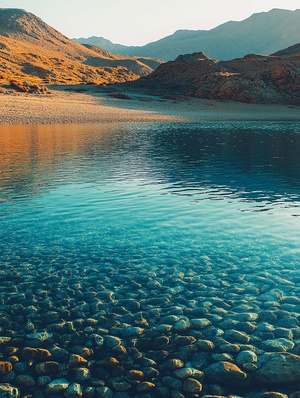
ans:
(98, 340)
(264, 327)
(176, 394)
(105, 295)
(251, 367)
(130, 331)
(4, 340)
(74, 390)
(160, 342)
(41, 336)
(135, 375)
(25, 381)
(295, 394)
(47, 368)
(172, 382)
(224, 372)
(288, 322)
(172, 364)
(150, 372)
(35, 353)
(235, 336)
(162, 328)
(177, 289)
(21, 367)
(229, 348)
(85, 352)
(82, 374)
(183, 373)
(57, 386)
(5, 367)
(153, 285)
(205, 345)
(8, 377)
(9, 391)
(184, 340)
(76, 360)
(112, 341)
(283, 332)
(273, 394)
(170, 319)
(222, 357)
(120, 385)
(270, 296)
(10, 351)
(181, 325)
(43, 380)
(191, 386)
(200, 323)
(119, 349)
(13, 359)
(267, 316)
(246, 357)
(278, 367)
(144, 386)
(278, 345)
(103, 392)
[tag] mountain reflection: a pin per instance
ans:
(248, 161)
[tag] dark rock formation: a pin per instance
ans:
(252, 79)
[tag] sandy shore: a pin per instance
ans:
(70, 107)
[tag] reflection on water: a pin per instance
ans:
(107, 226)
(248, 161)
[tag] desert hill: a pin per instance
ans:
(253, 78)
(32, 51)
(261, 33)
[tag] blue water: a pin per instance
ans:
(156, 193)
(178, 216)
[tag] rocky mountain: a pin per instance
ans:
(252, 79)
(32, 51)
(261, 33)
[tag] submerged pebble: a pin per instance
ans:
(121, 333)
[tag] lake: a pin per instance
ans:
(165, 256)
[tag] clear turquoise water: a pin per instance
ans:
(151, 193)
(197, 220)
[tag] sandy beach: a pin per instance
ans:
(66, 106)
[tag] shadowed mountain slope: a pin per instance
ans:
(33, 51)
(262, 33)
(253, 78)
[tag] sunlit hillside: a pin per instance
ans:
(33, 52)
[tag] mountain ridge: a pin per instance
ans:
(32, 51)
(265, 33)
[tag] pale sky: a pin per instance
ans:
(138, 22)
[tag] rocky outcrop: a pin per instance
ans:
(252, 79)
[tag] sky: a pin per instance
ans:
(138, 22)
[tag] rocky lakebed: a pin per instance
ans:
(135, 331)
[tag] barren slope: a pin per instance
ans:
(32, 51)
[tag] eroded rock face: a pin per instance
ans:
(252, 79)
(278, 368)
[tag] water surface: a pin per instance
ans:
(195, 215)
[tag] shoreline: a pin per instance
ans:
(77, 105)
